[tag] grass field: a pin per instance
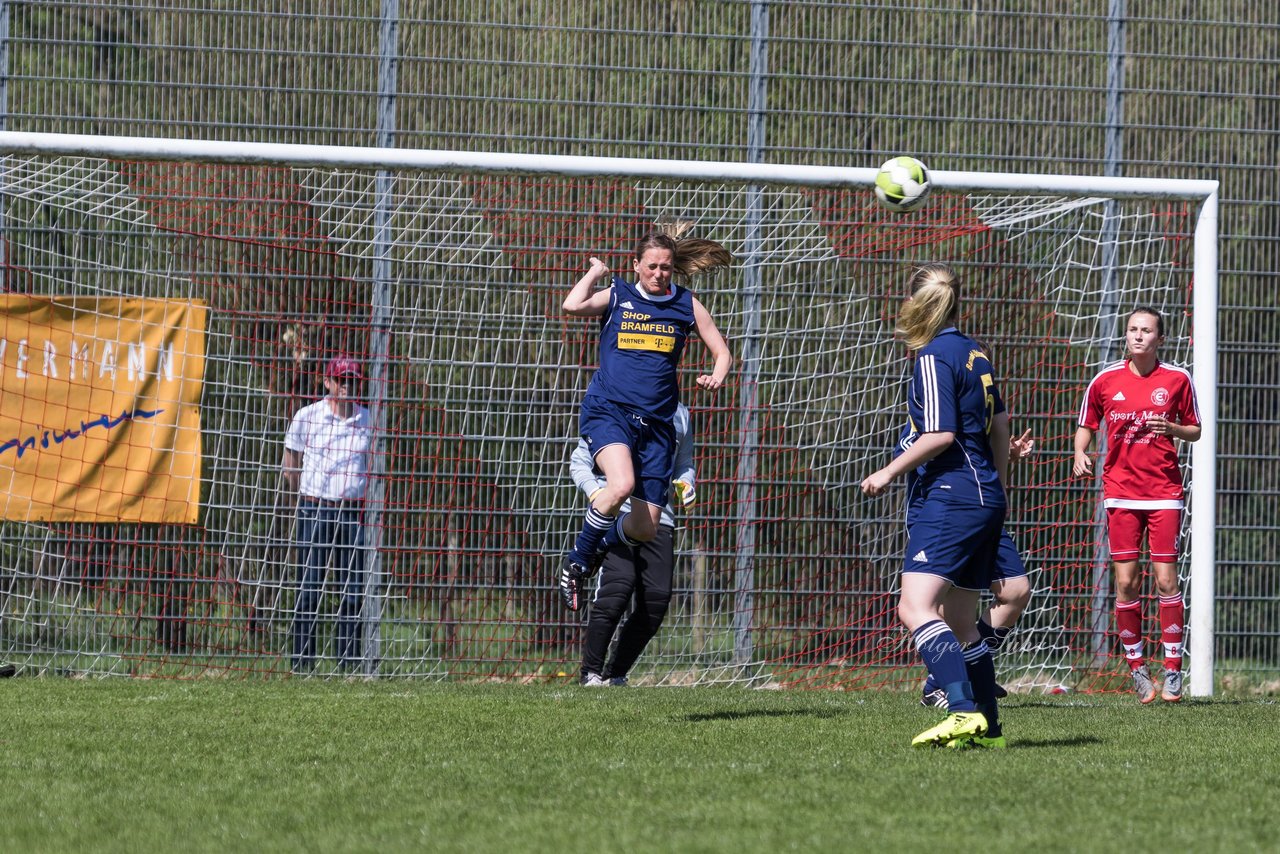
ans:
(132, 765)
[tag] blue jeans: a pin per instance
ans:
(330, 547)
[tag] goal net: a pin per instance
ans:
(445, 281)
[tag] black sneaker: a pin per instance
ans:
(935, 699)
(572, 574)
(1001, 693)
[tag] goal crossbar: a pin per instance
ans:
(212, 151)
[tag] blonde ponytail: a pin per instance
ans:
(934, 304)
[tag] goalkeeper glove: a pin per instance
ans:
(685, 494)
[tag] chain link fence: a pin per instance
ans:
(1184, 90)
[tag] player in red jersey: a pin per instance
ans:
(1144, 404)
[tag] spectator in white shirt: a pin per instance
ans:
(326, 462)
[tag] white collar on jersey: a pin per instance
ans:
(669, 295)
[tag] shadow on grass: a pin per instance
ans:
(1073, 741)
(1072, 705)
(1234, 701)
(700, 717)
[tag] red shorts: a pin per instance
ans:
(1125, 527)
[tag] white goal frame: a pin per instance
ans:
(1203, 194)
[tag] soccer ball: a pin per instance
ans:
(902, 184)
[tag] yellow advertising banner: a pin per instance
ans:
(100, 413)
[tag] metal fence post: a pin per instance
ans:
(749, 437)
(379, 341)
(1108, 309)
(4, 125)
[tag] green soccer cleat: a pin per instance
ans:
(959, 725)
(979, 742)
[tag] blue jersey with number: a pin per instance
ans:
(953, 390)
(641, 339)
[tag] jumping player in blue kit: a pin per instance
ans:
(626, 416)
(962, 451)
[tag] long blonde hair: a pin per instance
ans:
(934, 304)
(690, 255)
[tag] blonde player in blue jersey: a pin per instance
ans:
(1010, 586)
(962, 452)
(626, 416)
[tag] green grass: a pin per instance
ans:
(133, 765)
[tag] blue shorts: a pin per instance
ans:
(652, 442)
(958, 542)
(1008, 562)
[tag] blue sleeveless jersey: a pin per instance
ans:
(641, 340)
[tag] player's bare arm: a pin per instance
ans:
(583, 300)
(1162, 426)
(1083, 463)
(290, 469)
(1000, 442)
(714, 342)
(926, 447)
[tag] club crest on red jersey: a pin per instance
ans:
(1160, 396)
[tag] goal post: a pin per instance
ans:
(443, 271)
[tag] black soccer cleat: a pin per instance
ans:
(935, 699)
(572, 574)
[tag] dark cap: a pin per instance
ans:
(343, 367)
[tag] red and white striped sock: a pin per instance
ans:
(1129, 627)
(1172, 619)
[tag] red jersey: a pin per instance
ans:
(1141, 469)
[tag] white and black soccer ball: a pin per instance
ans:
(902, 184)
